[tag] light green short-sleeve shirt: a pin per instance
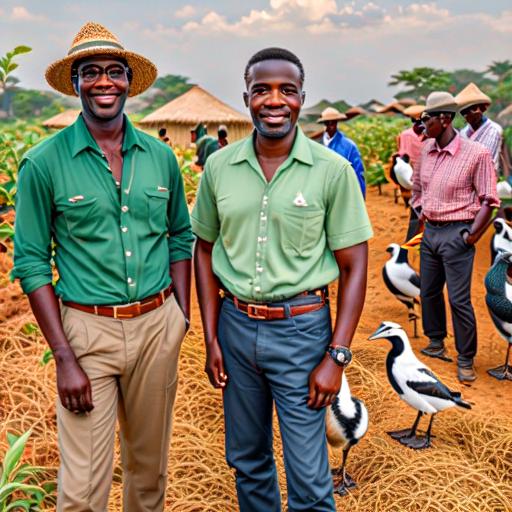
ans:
(273, 240)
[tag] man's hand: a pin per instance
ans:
(73, 385)
(215, 365)
(469, 239)
(324, 383)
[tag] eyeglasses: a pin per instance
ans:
(473, 109)
(115, 73)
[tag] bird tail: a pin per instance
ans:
(458, 400)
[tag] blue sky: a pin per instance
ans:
(349, 48)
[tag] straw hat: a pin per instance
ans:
(331, 114)
(441, 101)
(471, 95)
(414, 111)
(95, 39)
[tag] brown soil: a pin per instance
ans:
(468, 469)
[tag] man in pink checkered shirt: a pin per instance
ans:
(455, 191)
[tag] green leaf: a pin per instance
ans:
(19, 50)
(30, 328)
(6, 231)
(11, 67)
(10, 488)
(46, 357)
(12, 457)
(11, 438)
(16, 505)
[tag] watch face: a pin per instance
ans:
(340, 357)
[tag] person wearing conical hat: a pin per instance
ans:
(454, 188)
(337, 141)
(108, 199)
(472, 105)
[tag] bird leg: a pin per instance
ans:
(408, 432)
(413, 317)
(347, 481)
(502, 372)
(420, 443)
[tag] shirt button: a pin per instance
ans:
(257, 289)
(118, 183)
(259, 269)
(128, 253)
(124, 229)
(124, 208)
(130, 280)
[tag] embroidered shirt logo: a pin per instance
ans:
(300, 200)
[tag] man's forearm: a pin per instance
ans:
(352, 263)
(180, 274)
(480, 223)
(46, 309)
(207, 288)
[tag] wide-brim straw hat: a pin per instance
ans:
(94, 39)
(471, 95)
(414, 111)
(441, 101)
(331, 114)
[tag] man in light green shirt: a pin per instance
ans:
(277, 218)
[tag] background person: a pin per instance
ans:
(455, 187)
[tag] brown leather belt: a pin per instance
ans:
(126, 310)
(269, 312)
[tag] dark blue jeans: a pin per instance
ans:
(267, 362)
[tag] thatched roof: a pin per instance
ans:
(63, 119)
(195, 106)
(356, 111)
(391, 108)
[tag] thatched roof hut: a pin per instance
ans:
(356, 111)
(183, 113)
(392, 108)
(63, 119)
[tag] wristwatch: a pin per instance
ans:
(340, 355)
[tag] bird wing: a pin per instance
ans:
(401, 275)
(432, 387)
(414, 279)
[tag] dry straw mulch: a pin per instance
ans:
(469, 468)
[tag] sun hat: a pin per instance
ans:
(331, 114)
(414, 111)
(441, 101)
(471, 95)
(94, 39)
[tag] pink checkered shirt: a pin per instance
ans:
(451, 183)
(410, 144)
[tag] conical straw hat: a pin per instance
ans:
(331, 114)
(95, 39)
(471, 95)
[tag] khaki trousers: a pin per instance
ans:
(133, 368)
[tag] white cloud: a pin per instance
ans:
(20, 13)
(187, 11)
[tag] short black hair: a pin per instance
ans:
(274, 54)
(162, 132)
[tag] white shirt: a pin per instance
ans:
(490, 135)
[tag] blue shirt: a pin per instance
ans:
(348, 149)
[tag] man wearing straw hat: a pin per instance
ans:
(109, 201)
(335, 140)
(455, 189)
(472, 104)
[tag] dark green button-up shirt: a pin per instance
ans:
(273, 240)
(113, 242)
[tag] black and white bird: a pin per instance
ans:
(402, 280)
(415, 384)
(346, 423)
(499, 302)
(501, 241)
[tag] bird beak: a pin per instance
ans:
(376, 335)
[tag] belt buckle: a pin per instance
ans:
(253, 311)
(120, 315)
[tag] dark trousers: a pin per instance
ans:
(446, 258)
(270, 362)
(412, 229)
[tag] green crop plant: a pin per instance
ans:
(20, 488)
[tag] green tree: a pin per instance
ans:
(420, 82)
(8, 84)
(500, 69)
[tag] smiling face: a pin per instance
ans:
(274, 97)
(102, 98)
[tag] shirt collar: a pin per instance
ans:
(300, 151)
(451, 148)
(82, 138)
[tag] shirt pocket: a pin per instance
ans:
(81, 217)
(157, 209)
(301, 229)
